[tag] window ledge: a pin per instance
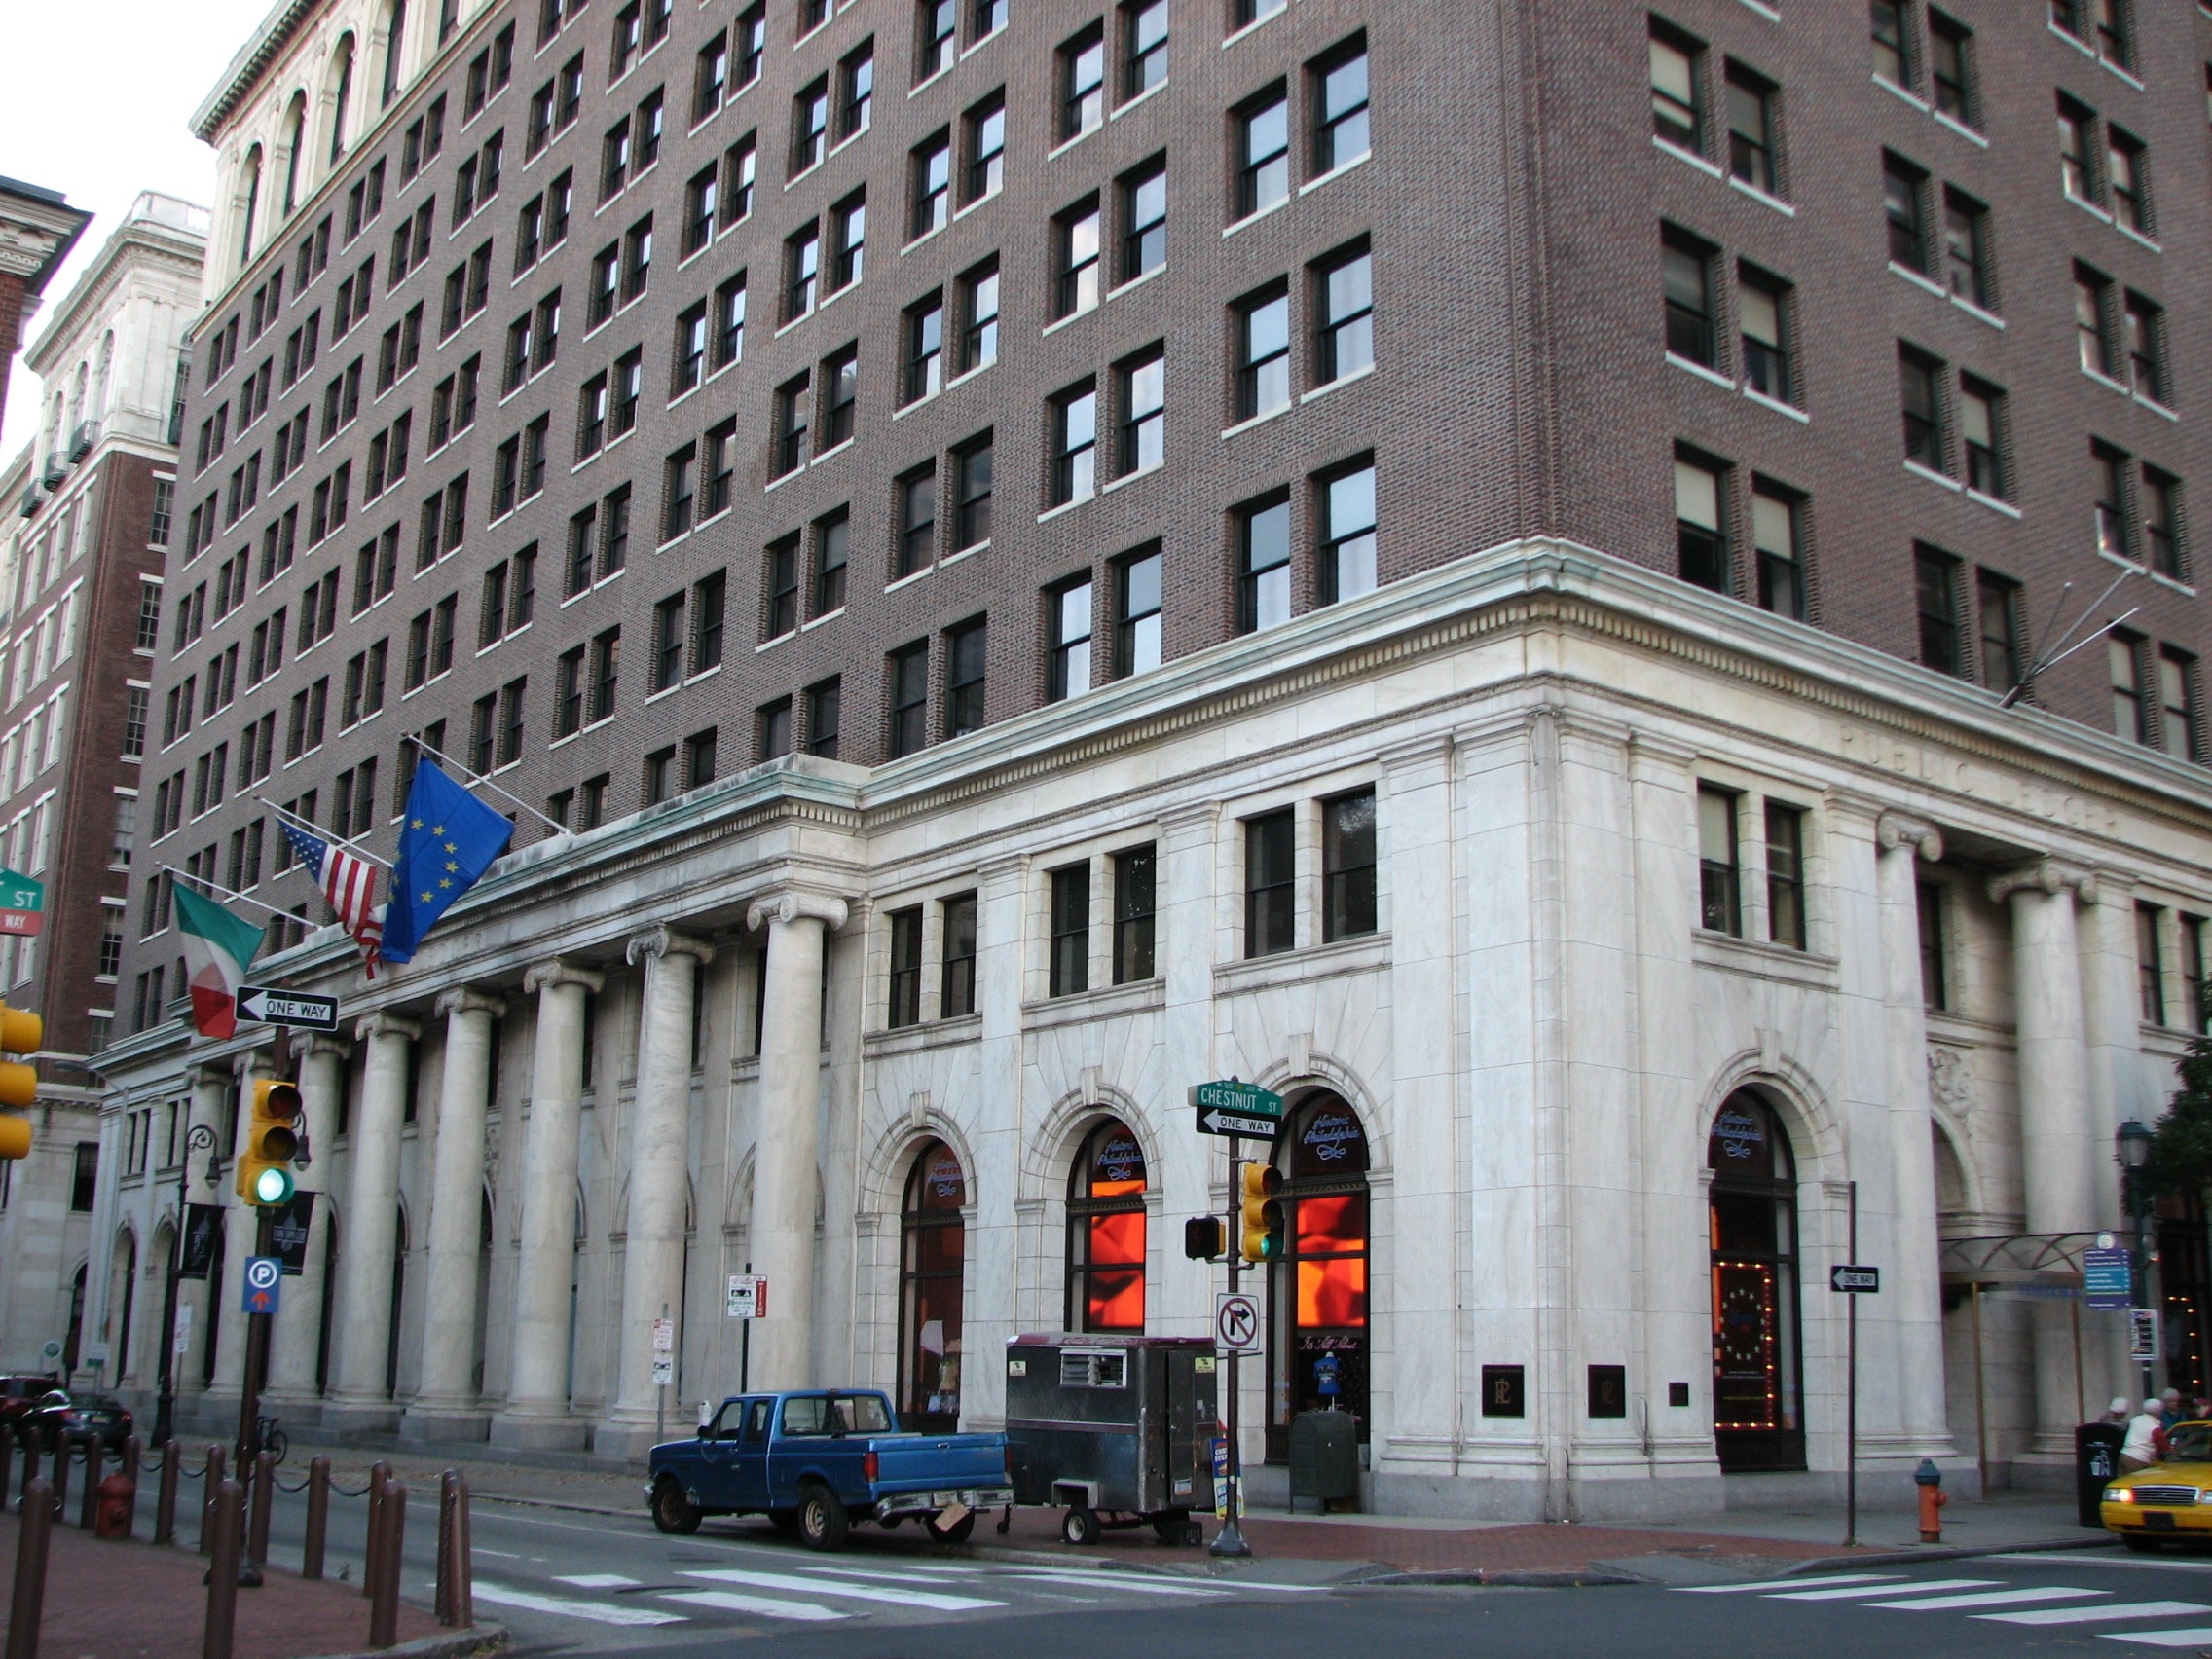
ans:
(988, 196)
(1932, 476)
(932, 232)
(2105, 381)
(1341, 380)
(1961, 129)
(1275, 413)
(1105, 1002)
(910, 578)
(982, 546)
(1903, 94)
(2134, 235)
(922, 402)
(1980, 313)
(814, 622)
(1067, 144)
(1701, 371)
(966, 375)
(1076, 315)
(924, 1034)
(805, 173)
(2101, 215)
(2174, 582)
(1138, 282)
(1256, 215)
(1114, 484)
(1763, 960)
(1368, 953)
(1777, 406)
(783, 478)
(1918, 281)
(1690, 158)
(1150, 92)
(771, 645)
(836, 449)
(1064, 508)
(2007, 508)
(1766, 198)
(1252, 28)
(916, 90)
(975, 46)
(1336, 172)
(2156, 407)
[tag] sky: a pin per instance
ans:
(98, 100)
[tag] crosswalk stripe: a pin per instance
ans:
(2098, 1615)
(912, 1577)
(595, 1580)
(932, 1600)
(1113, 1581)
(1905, 1588)
(1990, 1599)
(1784, 1584)
(2195, 1638)
(598, 1612)
(767, 1607)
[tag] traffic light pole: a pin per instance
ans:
(257, 1329)
(1230, 1542)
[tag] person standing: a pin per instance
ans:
(2146, 1442)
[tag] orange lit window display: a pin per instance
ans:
(1318, 1296)
(1106, 1232)
(933, 1251)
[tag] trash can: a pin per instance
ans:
(2097, 1459)
(1324, 1457)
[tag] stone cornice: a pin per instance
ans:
(252, 60)
(36, 234)
(155, 244)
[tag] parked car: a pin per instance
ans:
(18, 1394)
(100, 1416)
(816, 1461)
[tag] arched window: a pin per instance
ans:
(252, 206)
(295, 143)
(341, 97)
(70, 1344)
(212, 1306)
(123, 1302)
(1758, 1411)
(932, 1250)
(399, 1297)
(395, 34)
(1318, 1296)
(329, 1300)
(1106, 1232)
(106, 381)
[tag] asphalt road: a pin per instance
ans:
(582, 1584)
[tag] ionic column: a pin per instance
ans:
(365, 1311)
(536, 1414)
(296, 1338)
(786, 1132)
(1916, 1313)
(444, 1404)
(2059, 1158)
(660, 1157)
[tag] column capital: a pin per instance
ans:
(661, 940)
(558, 972)
(1896, 829)
(2044, 875)
(797, 904)
(387, 1024)
(213, 1077)
(466, 999)
(328, 1043)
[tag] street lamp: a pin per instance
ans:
(202, 1135)
(2134, 1145)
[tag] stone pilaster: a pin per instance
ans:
(359, 1398)
(444, 1407)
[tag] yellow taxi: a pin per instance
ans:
(2173, 1500)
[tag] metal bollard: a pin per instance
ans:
(27, 1602)
(215, 1462)
(62, 1462)
(383, 1603)
(165, 1506)
(263, 1490)
(30, 1460)
(318, 1517)
(6, 1463)
(225, 1515)
(88, 1509)
(380, 1478)
(464, 1562)
(444, 1598)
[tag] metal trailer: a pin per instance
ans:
(1119, 1432)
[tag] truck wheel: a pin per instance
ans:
(1080, 1526)
(822, 1520)
(956, 1534)
(673, 1512)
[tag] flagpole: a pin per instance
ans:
(228, 893)
(322, 834)
(552, 824)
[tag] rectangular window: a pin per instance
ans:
(856, 91)
(1891, 36)
(1262, 153)
(1935, 585)
(1144, 37)
(909, 687)
(1345, 568)
(832, 554)
(687, 364)
(1966, 249)
(1686, 264)
(848, 241)
(2093, 330)
(1263, 355)
(1143, 398)
(2150, 968)
(967, 663)
(2161, 522)
(740, 167)
(1950, 68)
(1344, 296)
(1076, 253)
(666, 667)
(810, 126)
(2144, 324)
(2177, 704)
(1144, 219)
(973, 492)
(2107, 471)
(1083, 84)
(924, 366)
(568, 693)
(2077, 149)
(956, 990)
(679, 495)
(709, 597)
(1921, 408)
(937, 26)
(1904, 190)
(728, 337)
(1719, 879)
(929, 193)
(2193, 997)
(1677, 109)
(1785, 874)
(1347, 866)
(1340, 108)
(1271, 870)
(2000, 658)
(1075, 445)
(825, 704)
(917, 522)
(905, 970)
(1136, 884)
(984, 129)
(700, 198)
(979, 316)
(1981, 413)
(773, 729)
(779, 589)
(606, 666)
(699, 756)
(1263, 575)
(840, 392)
(1935, 975)
(1701, 538)
(803, 273)
(1750, 130)
(791, 398)
(1762, 317)
(1067, 610)
(1070, 966)
(717, 468)
(2130, 719)
(2128, 181)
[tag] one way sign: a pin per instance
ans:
(288, 1008)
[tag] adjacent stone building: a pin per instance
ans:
(1505, 574)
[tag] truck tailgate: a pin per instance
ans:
(907, 1462)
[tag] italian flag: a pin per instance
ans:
(217, 947)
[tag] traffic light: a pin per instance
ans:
(1262, 1213)
(272, 1142)
(1203, 1238)
(20, 1033)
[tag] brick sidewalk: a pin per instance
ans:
(131, 1601)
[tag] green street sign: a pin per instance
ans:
(21, 892)
(1247, 1098)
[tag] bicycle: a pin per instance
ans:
(270, 1440)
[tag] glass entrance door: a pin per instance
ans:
(1757, 1404)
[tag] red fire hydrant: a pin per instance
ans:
(118, 1496)
(1930, 1479)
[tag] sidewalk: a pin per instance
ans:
(125, 1599)
(1710, 1548)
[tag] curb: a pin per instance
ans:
(1511, 1578)
(478, 1643)
(1948, 1552)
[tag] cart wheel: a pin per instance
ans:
(1080, 1526)
(1194, 1534)
(1169, 1528)
(956, 1534)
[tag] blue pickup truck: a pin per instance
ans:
(816, 1461)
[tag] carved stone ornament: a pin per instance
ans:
(1951, 1080)
(660, 939)
(1895, 829)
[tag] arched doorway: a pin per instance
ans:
(1758, 1419)
(1106, 1232)
(1318, 1314)
(329, 1301)
(932, 1251)
(71, 1343)
(123, 1304)
(211, 1303)
(398, 1302)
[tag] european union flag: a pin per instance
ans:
(449, 840)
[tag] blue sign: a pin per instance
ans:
(1327, 1376)
(264, 1274)
(2108, 1279)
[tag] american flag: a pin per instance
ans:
(349, 883)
